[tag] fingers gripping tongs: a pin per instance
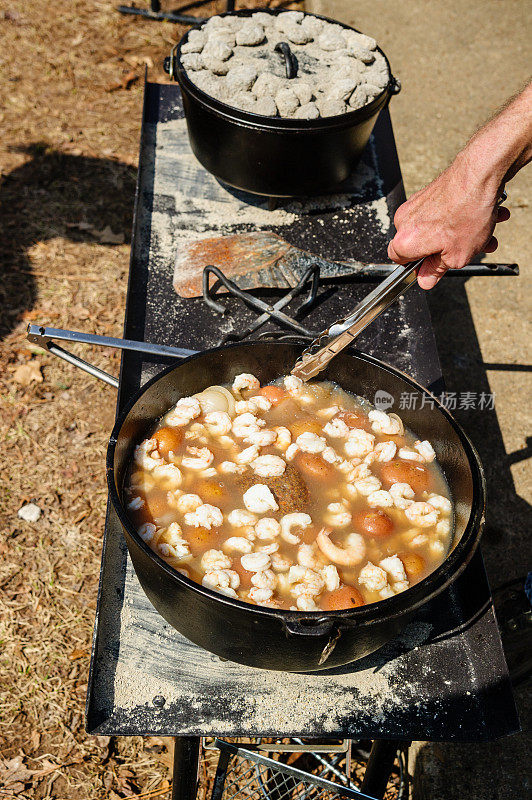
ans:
(329, 343)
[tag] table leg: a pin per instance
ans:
(186, 766)
(378, 770)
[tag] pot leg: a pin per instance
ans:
(379, 768)
(186, 766)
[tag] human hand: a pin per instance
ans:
(449, 221)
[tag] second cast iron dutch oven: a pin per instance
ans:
(271, 638)
(274, 156)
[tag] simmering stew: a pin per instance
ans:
(291, 495)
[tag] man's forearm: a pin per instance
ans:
(501, 147)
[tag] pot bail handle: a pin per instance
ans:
(290, 60)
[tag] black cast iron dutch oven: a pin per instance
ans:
(271, 638)
(274, 156)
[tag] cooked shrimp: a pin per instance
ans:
(222, 580)
(280, 563)
(267, 528)
(261, 438)
(199, 458)
(147, 531)
(336, 428)
(268, 548)
(146, 455)
(239, 518)
(245, 381)
(260, 499)
(135, 504)
(265, 579)
(260, 596)
(230, 468)
(261, 403)
(186, 409)
(329, 412)
(196, 433)
(425, 450)
(359, 443)
(215, 559)
(373, 578)
(402, 494)
(306, 602)
(248, 455)
(295, 520)
(307, 556)
(283, 437)
(188, 502)
(255, 562)
(245, 424)
(347, 556)
(171, 544)
(443, 504)
(245, 406)
(330, 455)
(422, 514)
(238, 544)
(443, 528)
(380, 499)
(218, 422)
(389, 424)
(268, 466)
(367, 486)
(394, 567)
(292, 384)
(305, 580)
(385, 451)
(407, 454)
(205, 516)
(292, 452)
(168, 475)
(331, 577)
(338, 516)
(311, 443)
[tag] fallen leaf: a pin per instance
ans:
(27, 373)
(35, 739)
(75, 654)
(78, 40)
(14, 771)
(106, 236)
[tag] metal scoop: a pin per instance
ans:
(329, 343)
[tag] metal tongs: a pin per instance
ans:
(332, 341)
(329, 343)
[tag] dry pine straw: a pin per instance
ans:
(72, 78)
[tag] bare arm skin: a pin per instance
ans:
(453, 218)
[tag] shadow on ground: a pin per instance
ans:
(47, 197)
(443, 769)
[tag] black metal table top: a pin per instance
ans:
(445, 677)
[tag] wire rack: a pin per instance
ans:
(243, 774)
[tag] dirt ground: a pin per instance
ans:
(69, 120)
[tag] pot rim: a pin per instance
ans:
(284, 124)
(372, 613)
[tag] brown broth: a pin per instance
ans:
(307, 486)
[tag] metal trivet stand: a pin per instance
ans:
(268, 311)
(154, 12)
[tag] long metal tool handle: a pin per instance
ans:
(329, 343)
(44, 337)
